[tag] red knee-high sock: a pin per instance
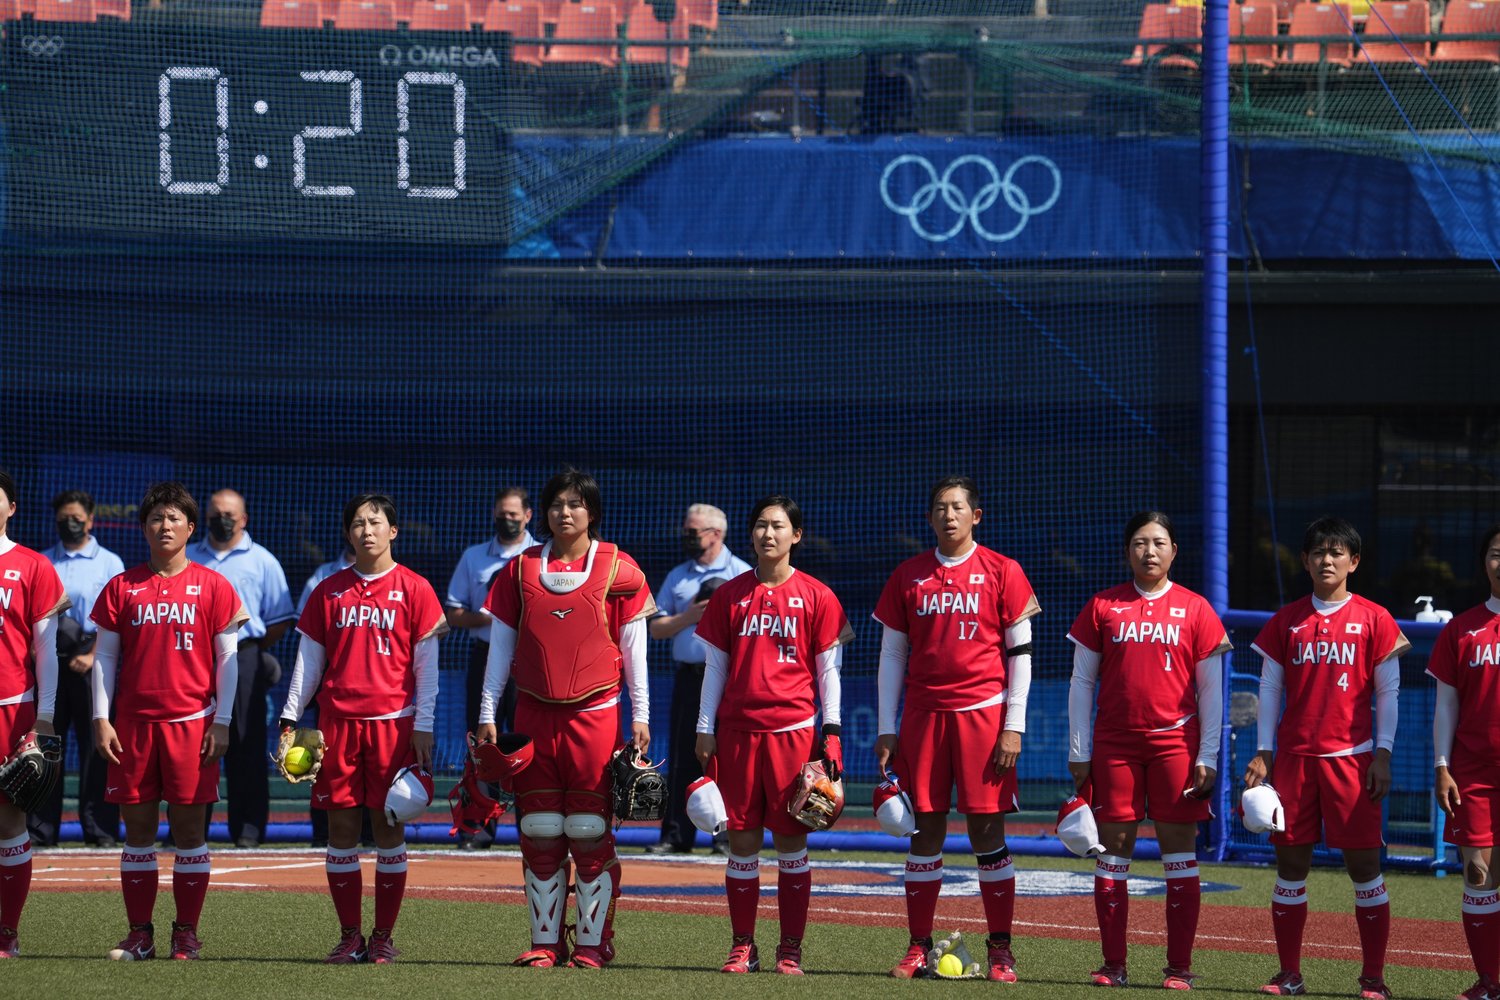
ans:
(1372, 909)
(742, 886)
(1288, 918)
(15, 878)
(390, 886)
(1482, 929)
(190, 875)
(997, 888)
(138, 877)
(1112, 905)
(1184, 899)
(346, 885)
(924, 880)
(793, 893)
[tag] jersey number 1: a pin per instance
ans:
(383, 645)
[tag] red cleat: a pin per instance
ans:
(543, 956)
(743, 957)
(1285, 984)
(9, 948)
(1484, 988)
(138, 945)
(350, 950)
(789, 957)
(1177, 979)
(1002, 962)
(382, 948)
(1373, 989)
(913, 964)
(1109, 975)
(185, 943)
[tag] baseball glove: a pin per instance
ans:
(816, 802)
(31, 772)
(309, 739)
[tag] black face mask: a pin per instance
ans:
(508, 528)
(71, 530)
(221, 527)
(692, 546)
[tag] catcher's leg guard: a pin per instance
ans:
(546, 890)
(598, 887)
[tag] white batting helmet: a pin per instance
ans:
(705, 807)
(410, 795)
(1260, 809)
(893, 809)
(1076, 828)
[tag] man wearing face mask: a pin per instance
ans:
(681, 600)
(261, 583)
(85, 567)
(467, 591)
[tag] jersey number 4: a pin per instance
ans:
(1343, 681)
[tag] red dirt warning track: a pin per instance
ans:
(694, 885)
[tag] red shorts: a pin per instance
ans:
(361, 760)
(570, 772)
(936, 750)
(1327, 793)
(15, 721)
(1137, 775)
(161, 762)
(755, 773)
(1477, 818)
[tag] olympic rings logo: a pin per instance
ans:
(42, 46)
(969, 210)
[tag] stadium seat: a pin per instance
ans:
(10, 10)
(702, 15)
(642, 25)
(1311, 20)
(585, 20)
(291, 14)
(522, 19)
(1390, 19)
(117, 9)
(365, 15)
(1162, 20)
(552, 11)
(65, 10)
(1257, 20)
(1469, 17)
(439, 15)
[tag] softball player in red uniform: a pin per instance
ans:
(1154, 651)
(957, 644)
(1331, 653)
(772, 639)
(166, 662)
(369, 650)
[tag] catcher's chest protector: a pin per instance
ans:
(564, 649)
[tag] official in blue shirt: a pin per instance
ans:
(85, 567)
(323, 572)
(682, 597)
(261, 583)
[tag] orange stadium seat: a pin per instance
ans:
(1257, 20)
(291, 14)
(65, 10)
(642, 25)
(364, 15)
(1469, 17)
(586, 20)
(1162, 20)
(522, 19)
(1397, 20)
(117, 9)
(702, 14)
(10, 10)
(1313, 20)
(439, 15)
(552, 11)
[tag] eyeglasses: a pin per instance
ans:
(695, 532)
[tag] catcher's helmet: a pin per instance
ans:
(471, 806)
(410, 795)
(640, 792)
(816, 802)
(501, 761)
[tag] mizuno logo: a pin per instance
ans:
(1372, 916)
(562, 613)
(921, 580)
(386, 885)
(136, 590)
(111, 789)
(1278, 913)
(1119, 611)
(745, 603)
(322, 796)
(1475, 631)
(192, 882)
(1296, 628)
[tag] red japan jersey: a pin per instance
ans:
(772, 636)
(955, 618)
(166, 626)
(30, 590)
(1466, 656)
(1149, 648)
(1328, 666)
(369, 629)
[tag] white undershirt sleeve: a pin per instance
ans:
(830, 689)
(895, 648)
(496, 669)
(1268, 715)
(715, 674)
(424, 665)
(1387, 694)
(1017, 676)
(106, 656)
(226, 673)
(44, 650)
(307, 674)
(1444, 723)
(1210, 679)
(637, 678)
(1081, 703)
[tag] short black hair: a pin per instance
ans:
(587, 488)
(7, 486)
(1488, 540)
(1146, 517)
(786, 503)
(381, 502)
(169, 494)
(1331, 529)
(73, 496)
(965, 483)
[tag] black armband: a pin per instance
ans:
(829, 729)
(1024, 649)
